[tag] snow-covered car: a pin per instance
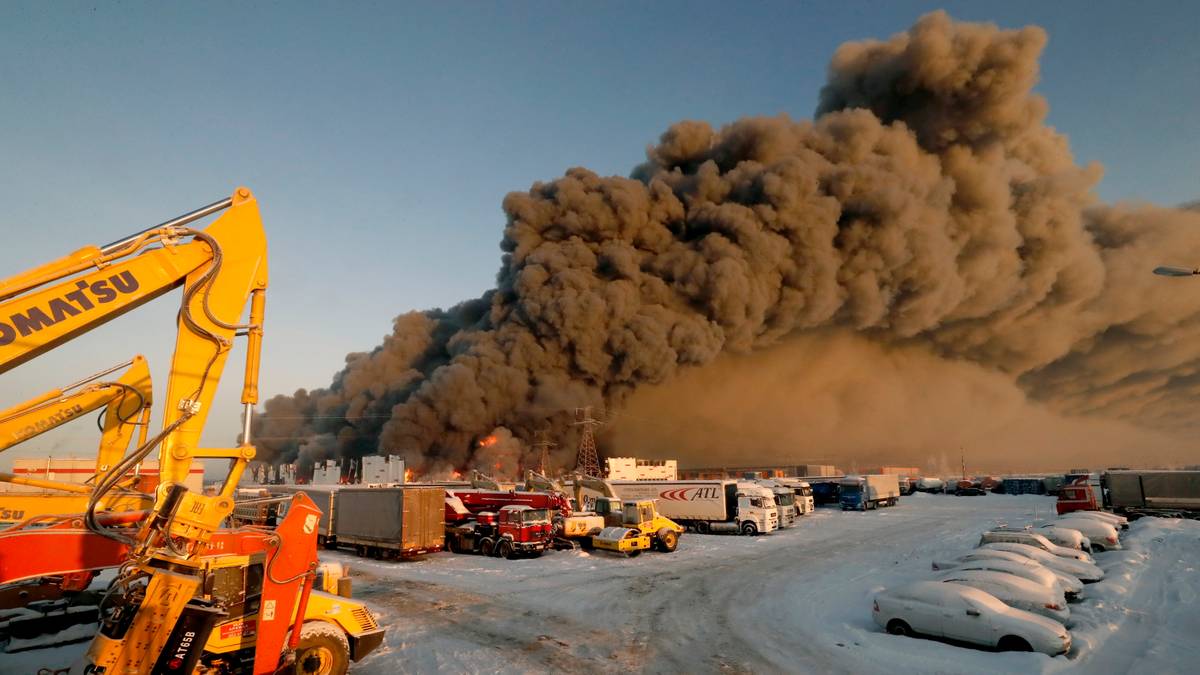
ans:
(1065, 536)
(1013, 591)
(1120, 522)
(1032, 539)
(957, 612)
(1018, 566)
(1085, 572)
(1102, 535)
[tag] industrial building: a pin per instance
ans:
(632, 468)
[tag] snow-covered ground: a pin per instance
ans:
(795, 601)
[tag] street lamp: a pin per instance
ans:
(1164, 271)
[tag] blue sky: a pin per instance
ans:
(380, 138)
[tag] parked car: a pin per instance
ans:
(1014, 591)
(1120, 522)
(956, 612)
(1067, 537)
(1032, 539)
(970, 491)
(1102, 535)
(1085, 572)
(1018, 566)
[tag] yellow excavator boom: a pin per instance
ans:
(128, 398)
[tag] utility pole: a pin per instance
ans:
(543, 444)
(587, 460)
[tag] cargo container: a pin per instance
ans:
(870, 491)
(1024, 486)
(390, 521)
(826, 491)
(708, 505)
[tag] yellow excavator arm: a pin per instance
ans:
(222, 268)
(128, 398)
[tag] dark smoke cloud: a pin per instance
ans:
(927, 204)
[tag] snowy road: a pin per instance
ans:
(794, 601)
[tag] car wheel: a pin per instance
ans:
(486, 546)
(1012, 643)
(702, 527)
(898, 627)
(749, 529)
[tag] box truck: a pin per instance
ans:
(869, 491)
(708, 505)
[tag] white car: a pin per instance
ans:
(1102, 535)
(1032, 539)
(1086, 572)
(957, 612)
(1065, 536)
(1013, 591)
(1111, 518)
(1025, 568)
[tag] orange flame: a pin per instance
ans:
(456, 475)
(488, 441)
(408, 475)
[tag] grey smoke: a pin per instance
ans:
(927, 204)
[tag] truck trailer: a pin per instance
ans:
(708, 505)
(869, 491)
(1172, 494)
(390, 521)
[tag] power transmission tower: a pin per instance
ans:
(587, 459)
(543, 444)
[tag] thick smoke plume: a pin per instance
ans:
(927, 207)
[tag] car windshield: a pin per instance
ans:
(535, 516)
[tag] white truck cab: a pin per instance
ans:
(756, 504)
(785, 501)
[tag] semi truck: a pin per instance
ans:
(803, 494)
(390, 521)
(1171, 494)
(785, 501)
(869, 491)
(708, 505)
(512, 531)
